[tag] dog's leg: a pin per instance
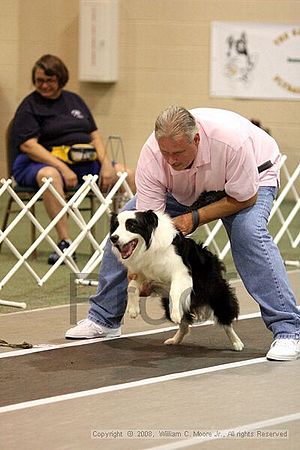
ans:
(180, 296)
(180, 333)
(233, 337)
(133, 294)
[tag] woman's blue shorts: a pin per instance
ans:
(25, 170)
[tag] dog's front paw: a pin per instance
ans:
(134, 311)
(238, 345)
(176, 316)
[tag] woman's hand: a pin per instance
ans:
(70, 177)
(107, 176)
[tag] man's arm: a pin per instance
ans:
(150, 180)
(217, 210)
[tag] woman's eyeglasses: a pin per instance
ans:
(41, 81)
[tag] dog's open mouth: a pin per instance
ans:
(127, 249)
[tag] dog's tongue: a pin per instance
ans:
(127, 249)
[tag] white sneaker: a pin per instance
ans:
(284, 350)
(87, 329)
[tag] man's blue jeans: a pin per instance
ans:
(256, 257)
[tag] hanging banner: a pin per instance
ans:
(255, 60)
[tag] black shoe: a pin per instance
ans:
(62, 245)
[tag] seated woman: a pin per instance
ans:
(47, 120)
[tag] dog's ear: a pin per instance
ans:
(113, 222)
(113, 217)
(151, 218)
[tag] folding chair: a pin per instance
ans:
(26, 193)
(115, 149)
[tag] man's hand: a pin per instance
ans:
(184, 223)
(214, 211)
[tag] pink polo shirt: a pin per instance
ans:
(230, 150)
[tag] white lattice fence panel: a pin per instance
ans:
(70, 207)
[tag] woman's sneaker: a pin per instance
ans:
(87, 329)
(284, 350)
(62, 245)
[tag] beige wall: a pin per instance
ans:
(163, 59)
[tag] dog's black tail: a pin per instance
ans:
(208, 197)
(225, 304)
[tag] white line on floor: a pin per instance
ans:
(47, 347)
(229, 433)
(48, 308)
(130, 385)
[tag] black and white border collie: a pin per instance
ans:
(154, 251)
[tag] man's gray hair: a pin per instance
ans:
(175, 122)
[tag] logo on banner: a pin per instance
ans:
(240, 63)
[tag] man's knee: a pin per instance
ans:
(249, 235)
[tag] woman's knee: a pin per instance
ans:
(49, 172)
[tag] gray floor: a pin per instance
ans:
(239, 400)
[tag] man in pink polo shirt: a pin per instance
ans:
(201, 150)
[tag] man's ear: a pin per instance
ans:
(197, 139)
